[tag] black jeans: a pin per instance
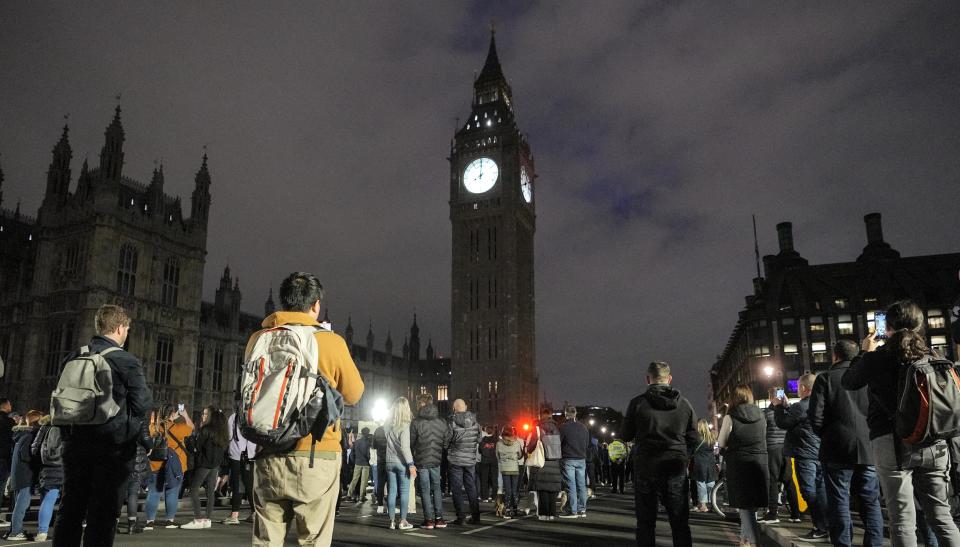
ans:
(239, 472)
(94, 476)
(672, 492)
(204, 476)
(381, 480)
(488, 480)
(463, 477)
(617, 471)
(780, 473)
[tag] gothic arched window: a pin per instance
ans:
(171, 282)
(127, 270)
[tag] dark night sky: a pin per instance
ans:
(658, 128)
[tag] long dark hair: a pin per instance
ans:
(216, 427)
(908, 341)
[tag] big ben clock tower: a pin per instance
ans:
(493, 211)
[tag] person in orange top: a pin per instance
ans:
(286, 487)
(167, 475)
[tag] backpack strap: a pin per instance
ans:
(111, 349)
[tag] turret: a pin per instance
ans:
(431, 355)
(348, 334)
(269, 307)
(388, 345)
(84, 183)
(155, 201)
(200, 200)
(370, 340)
(58, 174)
(111, 155)
(414, 340)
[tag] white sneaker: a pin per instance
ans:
(393, 524)
(17, 537)
(207, 523)
(379, 511)
(41, 536)
(195, 524)
(404, 525)
(231, 520)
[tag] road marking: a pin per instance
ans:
(364, 516)
(482, 528)
(419, 535)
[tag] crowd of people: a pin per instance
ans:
(811, 455)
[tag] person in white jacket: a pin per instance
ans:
(241, 453)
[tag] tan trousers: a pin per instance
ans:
(361, 476)
(286, 488)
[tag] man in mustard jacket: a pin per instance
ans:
(286, 487)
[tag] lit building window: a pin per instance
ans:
(844, 324)
(939, 344)
(423, 390)
(819, 352)
(790, 348)
(840, 303)
(443, 393)
(936, 320)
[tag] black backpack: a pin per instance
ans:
(928, 404)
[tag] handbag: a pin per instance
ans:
(536, 458)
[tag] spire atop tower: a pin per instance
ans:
(58, 174)
(111, 155)
(200, 200)
(491, 68)
(269, 307)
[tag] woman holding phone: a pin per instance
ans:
(173, 425)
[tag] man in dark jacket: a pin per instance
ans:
(664, 427)
(487, 468)
(6, 447)
(428, 436)
(380, 445)
(839, 417)
(574, 439)
(464, 435)
(803, 445)
(97, 459)
(779, 468)
(361, 466)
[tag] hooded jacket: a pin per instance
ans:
(663, 426)
(428, 437)
(839, 417)
(746, 457)
(464, 434)
(130, 392)
(336, 365)
(801, 441)
(51, 471)
(509, 451)
(21, 471)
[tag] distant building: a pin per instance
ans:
(798, 311)
(116, 240)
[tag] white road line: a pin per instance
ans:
(482, 528)
(419, 535)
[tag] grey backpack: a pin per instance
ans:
(84, 393)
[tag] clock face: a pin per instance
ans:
(480, 175)
(525, 187)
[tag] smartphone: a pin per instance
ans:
(880, 326)
(781, 394)
(180, 407)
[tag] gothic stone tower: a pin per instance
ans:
(492, 209)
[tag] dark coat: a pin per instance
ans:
(574, 440)
(488, 450)
(801, 441)
(129, 391)
(548, 478)
(703, 467)
(6, 437)
(464, 438)
(775, 435)
(746, 458)
(21, 469)
(51, 471)
(428, 437)
(839, 417)
(361, 450)
(879, 371)
(209, 452)
(663, 426)
(141, 465)
(380, 445)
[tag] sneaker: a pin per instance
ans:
(796, 519)
(566, 515)
(231, 520)
(17, 537)
(543, 517)
(42, 536)
(770, 518)
(379, 509)
(428, 525)
(440, 523)
(172, 525)
(393, 524)
(815, 536)
(404, 525)
(195, 524)
(163, 523)
(148, 526)
(207, 523)
(582, 514)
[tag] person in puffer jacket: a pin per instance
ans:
(47, 451)
(428, 436)
(22, 473)
(139, 477)
(464, 435)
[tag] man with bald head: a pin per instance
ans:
(464, 434)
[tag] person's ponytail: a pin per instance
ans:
(908, 341)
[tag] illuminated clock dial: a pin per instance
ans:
(480, 175)
(526, 188)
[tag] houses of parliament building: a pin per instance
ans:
(109, 238)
